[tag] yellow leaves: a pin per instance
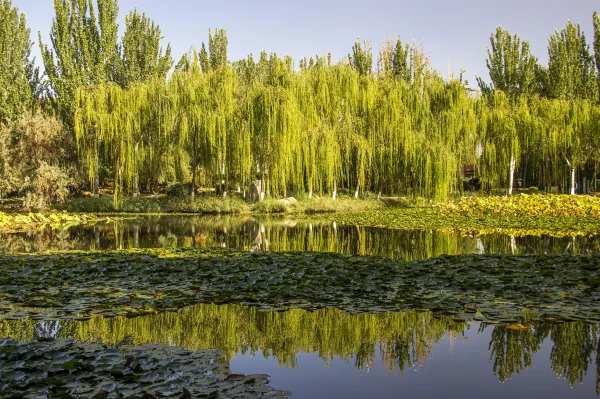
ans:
(527, 205)
(517, 327)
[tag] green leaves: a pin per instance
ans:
(142, 282)
(18, 75)
(91, 370)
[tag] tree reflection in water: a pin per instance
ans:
(249, 234)
(403, 340)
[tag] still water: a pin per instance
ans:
(250, 234)
(326, 353)
(329, 354)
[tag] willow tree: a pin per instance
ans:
(274, 125)
(162, 124)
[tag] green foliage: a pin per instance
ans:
(596, 20)
(443, 219)
(83, 52)
(570, 64)
(270, 206)
(88, 369)
(200, 205)
(18, 75)
(528, 205)
(34, 152)
(142, 55)
(361, 58)
(510, 64)
(19, 222)
(551, 285)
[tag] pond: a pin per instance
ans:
(272, 234)
(327, 352)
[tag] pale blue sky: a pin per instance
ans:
(457, 31)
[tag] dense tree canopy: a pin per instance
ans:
(18, 76)
(324, 127)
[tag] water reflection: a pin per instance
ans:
(249, 234)
(399, 341)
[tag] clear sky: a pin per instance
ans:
(453, 32)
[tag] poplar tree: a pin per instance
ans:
(18, 76)
(361, 58)
(570, 64)
(511, 66)
(83, 53)
(142, 54)
(597, 51)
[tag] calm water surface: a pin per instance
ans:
(250, 234)
(328, 354)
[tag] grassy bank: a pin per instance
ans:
(212, 205)
(19, 222)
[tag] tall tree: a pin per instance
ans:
(18, 77)
(597, 50)
(570, 64)
(511, 66)
(571, 77)
(84, 52)
(142, 54)
(217, 47)
(361, 58)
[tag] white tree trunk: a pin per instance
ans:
(573, 181)
(334, 195)
(511, 174)
(356, 192)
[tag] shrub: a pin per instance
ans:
(178, 190)
(49, 184)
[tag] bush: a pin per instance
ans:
(270, 206)
(178, 190)
(49, 184)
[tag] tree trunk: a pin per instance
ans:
(334, 195)
(193, 188)
(262, 188)
(136, 178)
(136, 235)
(511, 174)
(156, 187)
(573, 189)
(96, 178)
(357, 188)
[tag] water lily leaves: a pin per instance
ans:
(114, 373)
(135, 283)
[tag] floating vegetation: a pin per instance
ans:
(435, 219)
(493, 288)
(527, 205)
(63, 368)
